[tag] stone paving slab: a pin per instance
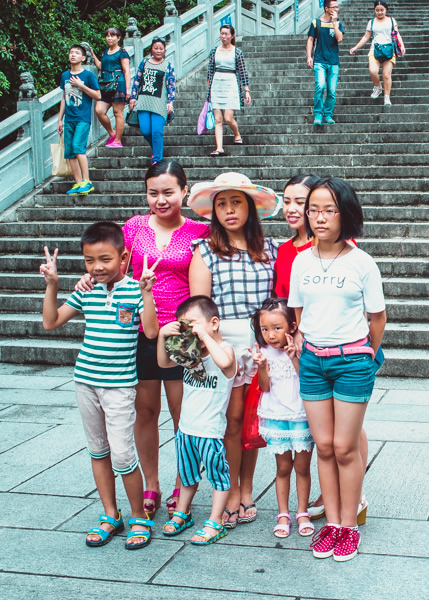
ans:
(397, 482)
(55, 549)
(69, 477)
(30, 458)
(403, 413)
(37, 511)
(298, 573)
(402, 383)
(38, 397)
(32, 382)
(46, 370)
(42, 414)
(17, 586)
(14, 434)
(416, 397)
(395, 431)
(54, 502)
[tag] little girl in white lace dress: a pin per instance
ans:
(282, 419)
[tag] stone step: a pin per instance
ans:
(277, 227)
(394, 287)
(328, 135)
(409, 310)
(251, 162)
(399, 362)
(401, 266)
(29, 325)
(292, 161)
(278, 176)
(377, 206)
(391, 247)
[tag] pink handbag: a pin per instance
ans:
(201, 125)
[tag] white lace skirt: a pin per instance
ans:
(282, 436)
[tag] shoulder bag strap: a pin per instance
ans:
(133, 244)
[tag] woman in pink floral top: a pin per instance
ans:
(165, 234)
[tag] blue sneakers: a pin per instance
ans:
(329, 121)
(74, 190)
(317, 121)
(85, 187)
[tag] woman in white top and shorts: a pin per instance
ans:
(380, 30)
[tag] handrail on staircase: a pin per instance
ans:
(26, 162)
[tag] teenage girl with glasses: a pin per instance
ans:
(333, 288)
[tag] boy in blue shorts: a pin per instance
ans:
(105, 372)
(199, 438)
(80, 88)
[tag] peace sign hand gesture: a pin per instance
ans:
(148, 276)
(258, 357)
(290, 347)
(49, 270)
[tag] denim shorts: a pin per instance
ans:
(349, 377)
(76, 135)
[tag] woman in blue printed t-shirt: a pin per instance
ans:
(152, 95)
(115, 61)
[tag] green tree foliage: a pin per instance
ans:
(35, 36)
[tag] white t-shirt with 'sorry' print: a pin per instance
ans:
(334, 302)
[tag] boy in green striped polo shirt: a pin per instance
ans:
(105, 372)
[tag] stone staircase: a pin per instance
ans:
(382, 152)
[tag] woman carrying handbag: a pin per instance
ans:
(386, 41)
(152, 95)
(228, 86)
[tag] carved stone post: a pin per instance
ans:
(27, 100)
(172, 16)
(211, 34)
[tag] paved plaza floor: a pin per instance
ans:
(48, 501)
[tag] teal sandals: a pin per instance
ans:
(106, 536)
(210, 539)
(140, 533)
(187, 519)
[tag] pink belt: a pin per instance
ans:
(353, 348)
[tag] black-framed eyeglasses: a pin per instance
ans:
(313, 213)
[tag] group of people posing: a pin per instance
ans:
(151, 94)
(306, 320)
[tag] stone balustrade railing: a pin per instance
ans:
(26, 162)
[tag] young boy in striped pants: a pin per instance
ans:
(202, 424)
(105, 372)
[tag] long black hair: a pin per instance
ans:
(221, 244)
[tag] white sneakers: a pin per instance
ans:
(377, 91)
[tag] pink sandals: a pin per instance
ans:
(282, 527)
(171, 502)
(305, 525)
(154, 503)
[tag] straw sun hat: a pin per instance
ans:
(202, 194)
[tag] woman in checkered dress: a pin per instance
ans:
(235, 268)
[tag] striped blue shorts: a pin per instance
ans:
(192, 451)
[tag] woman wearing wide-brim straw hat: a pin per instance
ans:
(235, 268)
